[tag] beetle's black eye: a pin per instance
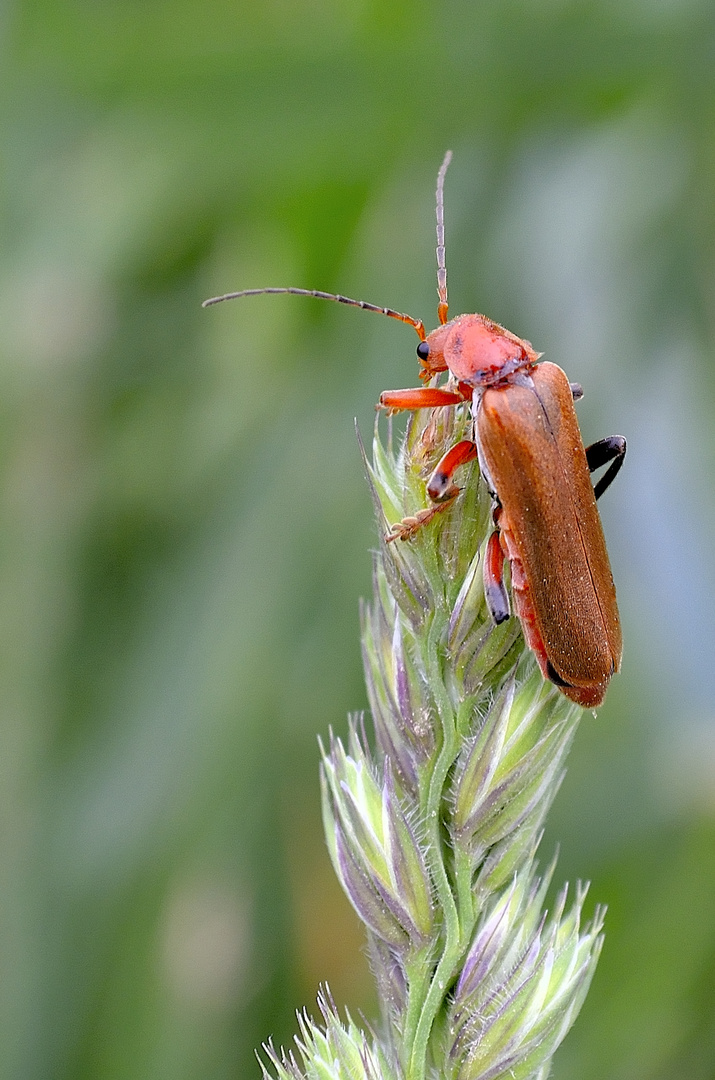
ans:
(423, 350)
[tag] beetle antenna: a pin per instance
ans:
(443, 306)
(319, 295)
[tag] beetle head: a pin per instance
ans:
(475, 350)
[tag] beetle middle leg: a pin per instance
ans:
(440, 482)
(440, 488)
(613, 449)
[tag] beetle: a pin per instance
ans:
(526, 438)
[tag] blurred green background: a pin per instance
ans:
(185, 532)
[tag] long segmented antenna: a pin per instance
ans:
(443, 306)
(416, 323)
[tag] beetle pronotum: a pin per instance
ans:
(531, 455)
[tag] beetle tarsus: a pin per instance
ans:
(406, 529)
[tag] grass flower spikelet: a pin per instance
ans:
(433, 835)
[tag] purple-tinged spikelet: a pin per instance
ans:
(433, 835)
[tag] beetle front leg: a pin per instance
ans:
(612, 448)
(420, 397)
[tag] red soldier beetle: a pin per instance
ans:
(527, 441)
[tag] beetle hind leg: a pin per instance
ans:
(613, 449)
(495, 592)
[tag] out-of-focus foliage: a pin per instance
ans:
(184, 529)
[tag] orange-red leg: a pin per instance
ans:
(495, 592)
(440, 482)
(421, 397)
(440, 489)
